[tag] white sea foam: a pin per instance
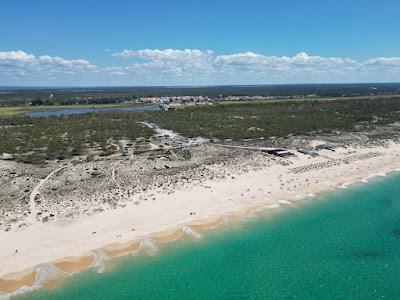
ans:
(271, 206)
(300, 196)
(345, 185)
(3, 296)
(226, 219)
(22, 290)
(263, 208)
(47, 272)
(44, 273)
(190, 232)
(100, 257)
(379, 174)
(149, 246)
(284, 202)
(257, 210)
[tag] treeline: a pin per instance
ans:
(62, 97)
(51, 102)
(36, 139)
(114, 94)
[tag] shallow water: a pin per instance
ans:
(84, 110)
(344, 245)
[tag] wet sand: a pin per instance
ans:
(75, 264)
(14, 282)
(116, 250)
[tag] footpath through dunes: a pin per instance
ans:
(196, 198)
(36, 193)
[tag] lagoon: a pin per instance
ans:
(83, 110)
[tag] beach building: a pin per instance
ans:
(307, 151)
(327, 146)
(277, 152)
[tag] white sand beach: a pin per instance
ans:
(187, 210)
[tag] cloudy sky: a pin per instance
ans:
(69, 43)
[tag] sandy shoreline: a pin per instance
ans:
(185, 213)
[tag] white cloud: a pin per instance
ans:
(23, 66)
(383, 61)
(171, 62)
(188, 65)
(16, 56)
(193, 66)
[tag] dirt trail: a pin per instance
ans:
(113, 171)
(36, 191)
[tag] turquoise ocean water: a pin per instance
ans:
(342, 245)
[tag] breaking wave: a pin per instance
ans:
(284, 202)
(190, 232)
(46, 272)
(379, 174)
(345, 185)
(149, 246)
(100, 257)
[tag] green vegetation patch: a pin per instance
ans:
(278, 118)
(35, 139)
(62, 137)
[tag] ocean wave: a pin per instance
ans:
(346, 185)
(379, 174)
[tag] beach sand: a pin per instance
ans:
(15, 281)
(74, 246)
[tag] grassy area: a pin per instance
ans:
(16, 110)
(10, 111)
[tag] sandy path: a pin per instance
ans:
(36, 192)
(113, 171)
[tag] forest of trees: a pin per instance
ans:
(38, 138)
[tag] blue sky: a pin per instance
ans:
(198, 42)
